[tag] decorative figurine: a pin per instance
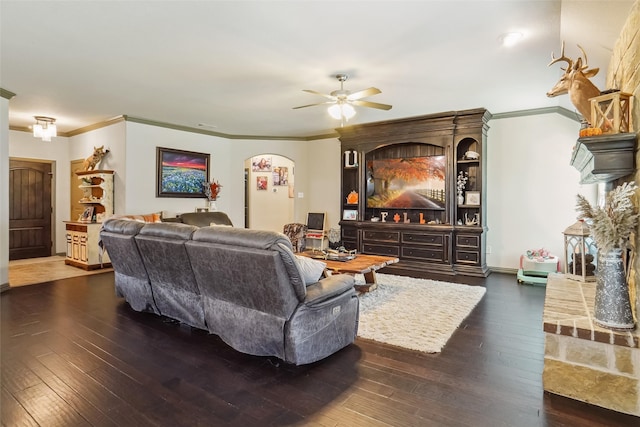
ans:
(92, 161)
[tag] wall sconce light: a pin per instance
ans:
(45, 128)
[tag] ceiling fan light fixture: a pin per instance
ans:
(348, 111)
(341, 102)
(342, 111)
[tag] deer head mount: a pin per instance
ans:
(575, 82)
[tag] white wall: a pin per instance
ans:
(531, 186)
(140, 170)
(227, 166)
(296, 151)
(272, 208)
(113, 138)
(325, 169)
(61, 151)
(24, 146)
(133, 156)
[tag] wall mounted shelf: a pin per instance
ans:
(604, 158)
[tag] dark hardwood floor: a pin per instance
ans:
(75, 355)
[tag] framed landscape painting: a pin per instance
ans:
(181, 173)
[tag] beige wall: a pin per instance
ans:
(272, 208)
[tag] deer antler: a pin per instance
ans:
(561, 58)
(584, 55)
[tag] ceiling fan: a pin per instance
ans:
(343, 100)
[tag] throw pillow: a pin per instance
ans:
(154, 217)
(311, 269)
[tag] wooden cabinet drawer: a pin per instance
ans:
(468, 257)
(468, 240)
(76, 227)
(431, 254)
(349, 233)
(381, 250)
(382, 236)
(350, 244)
(423, 238)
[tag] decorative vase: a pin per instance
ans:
(212, 206)
(460, 199)
(612, 304)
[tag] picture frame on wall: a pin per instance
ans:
(181, 173)
(280, 175)
(262, 182)
(472, 198)
(261, 164)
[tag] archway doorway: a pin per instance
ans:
(269, 196)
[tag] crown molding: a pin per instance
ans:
(536, 111)
(182, 128)
(225, 135)
(6, 94)
(95, 126)
(507, 115)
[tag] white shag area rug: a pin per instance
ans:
(417, 314)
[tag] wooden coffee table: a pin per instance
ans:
(362, 264)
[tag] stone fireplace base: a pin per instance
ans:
(583, 361)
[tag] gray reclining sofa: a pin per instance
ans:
(201, 219)
(243, 285)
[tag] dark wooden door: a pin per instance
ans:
(29, 209)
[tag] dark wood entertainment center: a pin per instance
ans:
(442, 239)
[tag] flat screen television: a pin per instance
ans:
(409, 183)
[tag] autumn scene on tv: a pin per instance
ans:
(410, 183)
(183, 173)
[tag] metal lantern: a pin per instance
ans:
(580, 253)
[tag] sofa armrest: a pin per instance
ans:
(329, 287)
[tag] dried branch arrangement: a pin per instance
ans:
(612, 225)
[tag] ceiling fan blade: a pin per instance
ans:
(363, 93)
(319, 93)
(371, 105)
(313, 105)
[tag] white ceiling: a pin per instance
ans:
(240, 66)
